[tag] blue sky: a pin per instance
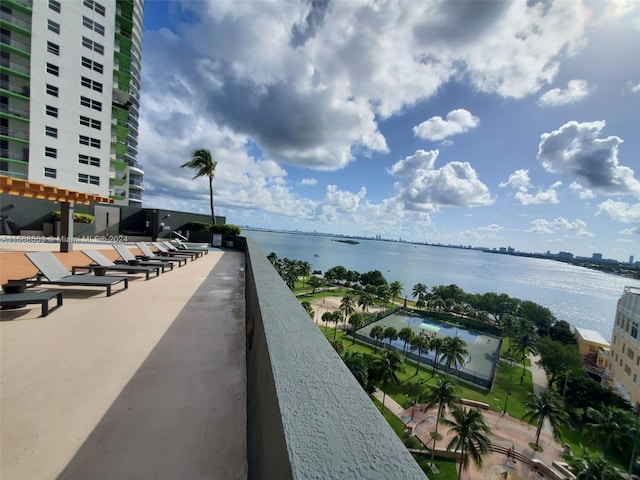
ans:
(482, 123)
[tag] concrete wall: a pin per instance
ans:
(308, 418)
(32, 213)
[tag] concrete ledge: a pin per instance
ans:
(308, 418)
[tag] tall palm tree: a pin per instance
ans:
(435, 344)
(347, 306)
(405, 334)
(356, 321)
(592, 467)
(525, 344)
(419, 290)
(420, 343)
(365, 301)
(443, 393)
(395, 289)
(390, 333)
(454, 352)
(609, 423)
(376, 333)
(471, 432)
(386, 367)
(205, 166)
(546, 406)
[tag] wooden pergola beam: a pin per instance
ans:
(25, 188)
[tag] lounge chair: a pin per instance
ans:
(130, 259)
(55, 273)
(147, 254)
(162, 250)
(172, 248)
(180, 245)
(103, 262)
(14, 300)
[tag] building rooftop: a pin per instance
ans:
(592, 336)
(147, 383)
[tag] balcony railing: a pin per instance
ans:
(12, 132)
(18, 67)
(25, 47)
(15, 88)
(9, 173)
(18, 112)
(135, 195)
(8, 17)
(293, 388)
(20, 155)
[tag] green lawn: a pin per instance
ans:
(448, 468)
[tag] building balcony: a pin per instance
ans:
(15, 67)
(14, 134)
(23, 47)
(17, 155)
(21, 89)
(15, 21)
(135, 184)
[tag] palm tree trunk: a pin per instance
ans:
(539, 430)
(418, 365)
(213, 217)
(384, 396)
(461, 463)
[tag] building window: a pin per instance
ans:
(92, 142)
(630, 354)
(95, 6)
(50, 172)
(627, 369)
(92, 179)
(52, 69)
(90, 24)
(50, 152)
(52, 90)
(90, 122)
(95, 66)
(53, 132)
(635, 378)
(634, 330)
(53, 26)
(54, 5)
(88, 160)
(91, 45)
(90, 103)
(51, 111)
(87, 82)
(53, 48)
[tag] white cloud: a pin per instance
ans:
(422, 187)
(560, 225)
(308, 181)
(583, 193)
(437, 128)
(343, 201)
(620, 211)
(632, 87)
(520, 181)
(576, 150)
(576, 90)
(549, 195)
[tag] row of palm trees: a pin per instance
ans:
(450, 351)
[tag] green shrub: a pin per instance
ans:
(224, 229)
(198, 226)
(77, 217)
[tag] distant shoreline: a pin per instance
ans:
(612, 267)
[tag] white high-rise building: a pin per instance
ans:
(69, 94)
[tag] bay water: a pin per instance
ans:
(584, 298)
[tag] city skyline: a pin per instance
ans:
(470, 123)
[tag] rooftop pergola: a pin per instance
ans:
(67, 198)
